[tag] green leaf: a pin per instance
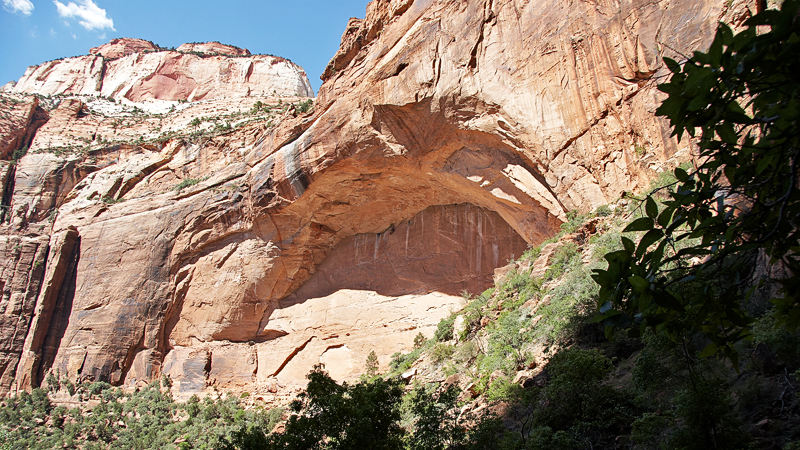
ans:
(639, 283)
(602, 317)
(671, 107)
(725, 34)
(647, 240)
(700, 57)
(651, 208)
(698, 102)
(730, 173)
(710, 350)
(763, 164)
(764, 18)
(666, 300)
(629, 246)
(641, 224)
(658, 253)
(665, 217)
(620, 255)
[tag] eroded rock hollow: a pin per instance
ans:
(236, 240)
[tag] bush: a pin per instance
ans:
(147, 418)
(507, 338)
(565, 256)
(603, 211)
(575, 378)
(185, 183)
(707, 422)
(651, 430)
(502, 389)
(442, 352)
(435, 418)
(785, 343)
(419, 340)
(304, 107)
(400, 362)
(371, 365)
(444, 330)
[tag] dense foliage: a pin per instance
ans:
(737, 210)
(109, 418)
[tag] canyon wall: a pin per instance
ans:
(237, 250)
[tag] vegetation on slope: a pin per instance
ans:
(686, 292)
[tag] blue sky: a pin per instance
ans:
(304, 31)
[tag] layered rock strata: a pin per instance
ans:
(136, 70)
(447, 136)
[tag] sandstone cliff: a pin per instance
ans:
(137, 70)
(238, 251)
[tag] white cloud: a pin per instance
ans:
(92, 17)
(19, 6)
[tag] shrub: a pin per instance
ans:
(502, 389)
(575, 377)
(707, 422)
(441, 352)
(371, 365)
(603, 211)
(185, 183)
(18, 154)
(574, 221)
(419, 340)
(400, 362)
(563, 257)
(506, 343)
(444, 330)
(785, 343)
(304, 107)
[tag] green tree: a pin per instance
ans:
(371, 364)
(331, 416)
(575, 383)
(740, 201)
(436, 424)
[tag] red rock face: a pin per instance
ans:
(448, 136)
(20, 118)
(138, 70)
(118, 48)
